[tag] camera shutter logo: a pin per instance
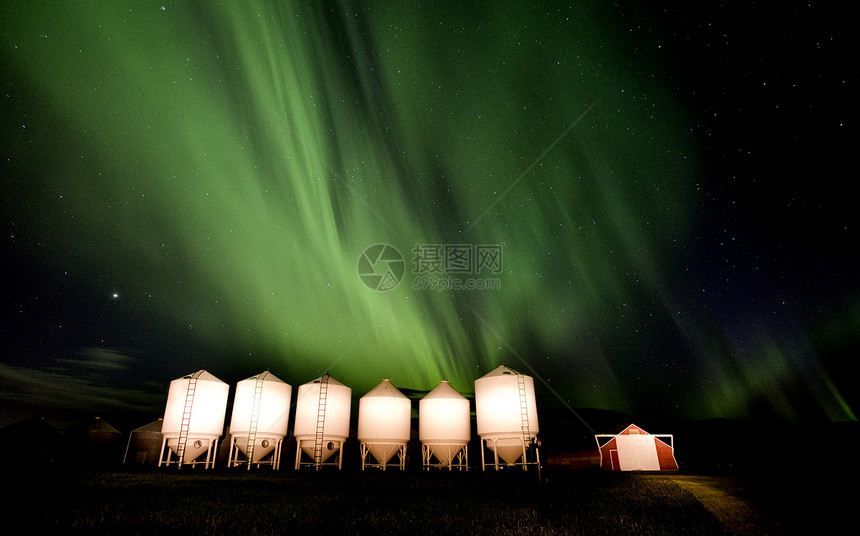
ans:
(381, 267)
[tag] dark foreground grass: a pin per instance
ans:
(364, 503)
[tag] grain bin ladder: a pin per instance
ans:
(524, 415)
(185, 425)
(255, 419)
(318, 438)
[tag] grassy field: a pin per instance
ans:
(414, 503)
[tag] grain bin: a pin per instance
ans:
(443, 428)
(258, 424)
(384, 418)
(322, 421)
(506, 415)
(193, 419)
(93, 443)
(144, 444)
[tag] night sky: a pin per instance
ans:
(646, 207)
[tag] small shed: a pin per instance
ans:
(634, 449)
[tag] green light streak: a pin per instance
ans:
(225, 166)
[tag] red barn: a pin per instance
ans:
(634, 449)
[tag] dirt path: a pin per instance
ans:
(719, 496)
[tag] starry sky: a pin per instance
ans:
(643, 205)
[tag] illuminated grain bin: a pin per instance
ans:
(322, 421)
(384, 417)
(443, 428)
(258, 425)
(506, 414)
(193, 420)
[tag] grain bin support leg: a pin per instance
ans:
(276, 460)
(210, 456)
(161, 454)
(525, 458)
(483, 460)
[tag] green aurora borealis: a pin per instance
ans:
(221, 169)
